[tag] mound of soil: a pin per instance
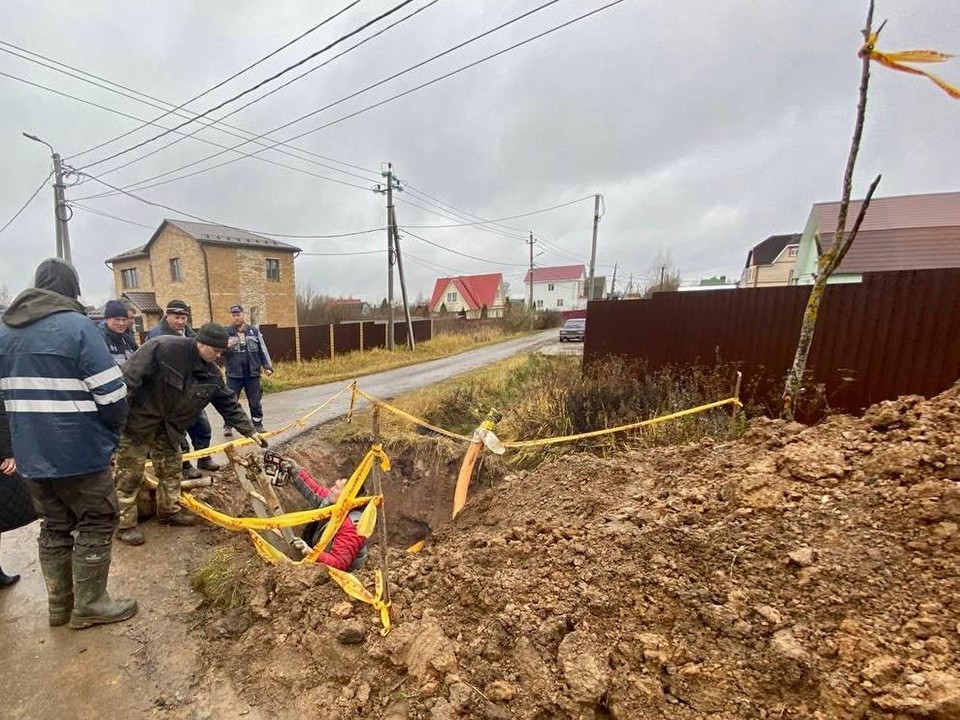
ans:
(795, 573)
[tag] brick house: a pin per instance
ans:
(771, 263)
(469, 294)
(210, 267)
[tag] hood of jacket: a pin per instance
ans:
(36, 303)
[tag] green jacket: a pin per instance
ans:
(168, 384)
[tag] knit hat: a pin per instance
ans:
(214, 335)
(59, 276)
(114, 309)
(236, 308)
(177, 307)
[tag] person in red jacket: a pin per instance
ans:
(348, 549)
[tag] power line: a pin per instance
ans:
(271, 92)
(95, 211)
(140, 185)
(457, 252)
(27, 203)
(261, 83)
(219, 84)
(205, 140)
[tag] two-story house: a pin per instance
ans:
(558, 288)
(772, 262)
(469, 294)
(907, 232)
(210, 267)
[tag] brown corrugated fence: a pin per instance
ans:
(315, 339)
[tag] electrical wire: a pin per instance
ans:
(260, 84)
(27, 203)
(143, 184)
(457, 252)
(192, 133)
(219, 84)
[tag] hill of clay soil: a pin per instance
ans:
(795, 573)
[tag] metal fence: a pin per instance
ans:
(322, 341)
(895, 333)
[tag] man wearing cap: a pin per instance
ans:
(246, 358)
(169, 380)
(176, 322)
(66, 404)
(114, 328)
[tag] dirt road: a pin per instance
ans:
(148, 667)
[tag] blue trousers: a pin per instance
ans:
(250, 385)
(200, 433)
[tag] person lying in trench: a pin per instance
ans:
(348, 549)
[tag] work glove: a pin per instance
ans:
(301, 545)
(260, 440)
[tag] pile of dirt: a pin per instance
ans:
(795, 573)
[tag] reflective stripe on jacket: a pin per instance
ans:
(247, 353)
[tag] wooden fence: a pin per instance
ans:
(895, 333)
(324, 341)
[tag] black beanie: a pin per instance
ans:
(214, 335)
(58, 276)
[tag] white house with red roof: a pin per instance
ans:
(470, 294)
(557, 288)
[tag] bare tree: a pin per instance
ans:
(4, 294)
(662, 276)
(833, 256)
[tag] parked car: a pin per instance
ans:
(574, 329)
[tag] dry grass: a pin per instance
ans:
(220, 579)
(543, 397)
(290, 375)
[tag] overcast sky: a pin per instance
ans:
(707, 126)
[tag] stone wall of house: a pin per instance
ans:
(144, 279)
(224, 281)
(192, 288)
(239, 275)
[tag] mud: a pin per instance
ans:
(796, 573)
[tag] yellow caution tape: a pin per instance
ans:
(368, 520)
(354, 588)
(895, 61)
(301, 517)
(417, 546)
(624, 428)
(411, 418)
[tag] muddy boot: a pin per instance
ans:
(178, 519)
(130, 536)
(190, 472)
(207, 463)
(8, 580)
(57, 568)
(93, 605)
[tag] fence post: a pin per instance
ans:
(361, 336)
(296, 340)
(331, 340)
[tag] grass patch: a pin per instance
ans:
(289, 375)
(220, 579)
(548, 396)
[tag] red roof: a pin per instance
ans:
(909, 232)
(556, 274)
(476, 290)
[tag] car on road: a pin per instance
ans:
(574, 329)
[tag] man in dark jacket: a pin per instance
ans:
(66, 403)
(170, 380)
(176, 322)
(114, 328)
(246, 358)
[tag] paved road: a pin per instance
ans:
(281, 408)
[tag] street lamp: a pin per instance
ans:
(60, 210)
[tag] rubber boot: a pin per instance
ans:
(57, 568)
(93, 604)
(207, 463)
(8, 580)
(190, 472)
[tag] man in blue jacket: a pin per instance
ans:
(246, 358)
(66, 404)
(114, 327)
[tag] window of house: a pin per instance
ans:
(451, 297)
(549, 286)
(559, 302)
(176, 274)
(792, 251)
(790, 278)
(539, 303)
(273, 270)
(128, 278)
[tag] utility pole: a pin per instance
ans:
(61, 211)
(593, 248)
(411, 344)
(663, 269)
(530, 242)
(392, 183)
(613, 283)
